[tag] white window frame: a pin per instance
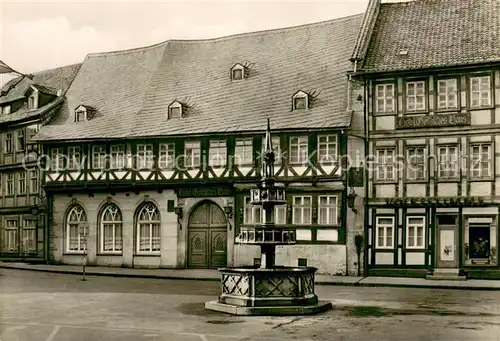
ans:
(21, 182)
(77, 212)
(9, 146)
(145, 158)
(150, 211)
(299, 150)
(414, 235)
(192, 154)
(29, 235)
(117, 159)
(98, 157)
(328, 143)
(57, 159)
(385, 98)
(33, 181)
(416, 96)
(252, 214)
(299, 210)
(10, 185)
(20, 141)
(480, 161)
(448, 168)
(416, 163)
(331, 219)
(447, 98)
(384, 228)
(480, 93)
(11, 236)
(243, 152)
(217, 153)
(116, 225)
(386, 164)
(166, 159)
(280, 211)
(74, 158)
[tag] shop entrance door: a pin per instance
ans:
(447, 241)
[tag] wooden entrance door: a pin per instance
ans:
(207, 237)
(447, 241)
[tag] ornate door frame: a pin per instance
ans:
(207, 229)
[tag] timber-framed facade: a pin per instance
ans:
(162, 178)
(433, 140)
(25, 104)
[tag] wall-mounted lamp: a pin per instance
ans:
(228, 210)
(178, 212)
(351, 200)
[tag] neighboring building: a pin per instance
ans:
(432, 76)
(25, 104)
(141, 152)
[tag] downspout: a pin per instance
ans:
(366, 211)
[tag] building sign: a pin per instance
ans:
(204, 192)
(429, 121)
(435, 201)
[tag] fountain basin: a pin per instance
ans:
(273, 291)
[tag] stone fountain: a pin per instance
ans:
(268, 289)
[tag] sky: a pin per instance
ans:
(37, 35)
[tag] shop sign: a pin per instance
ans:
(435, 201)
(429, 121)
(204, 192)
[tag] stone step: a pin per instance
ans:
(441, 277)
(446, 271)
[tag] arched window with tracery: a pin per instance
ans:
(111, 230)
(148, 229)
(76, 227)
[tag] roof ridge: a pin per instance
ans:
(124, 51)
(215, 39)
(246, 34)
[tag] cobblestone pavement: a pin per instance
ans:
(53, 307)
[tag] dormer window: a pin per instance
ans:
(300, 100)
(175, 110)
(237, 72)
(6, 110)
(84, 113)
(32, 102)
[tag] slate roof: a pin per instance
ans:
(58, 78)
(46, 89)
(435, 33)
(132, 89)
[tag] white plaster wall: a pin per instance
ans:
(480, 188)
(415, 190)
(447, 189)
(385, 122)
(329, 259)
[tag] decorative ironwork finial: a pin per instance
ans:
(269, 157)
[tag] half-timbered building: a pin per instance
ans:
(150, 159)
(25, 104)
(431, 71)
